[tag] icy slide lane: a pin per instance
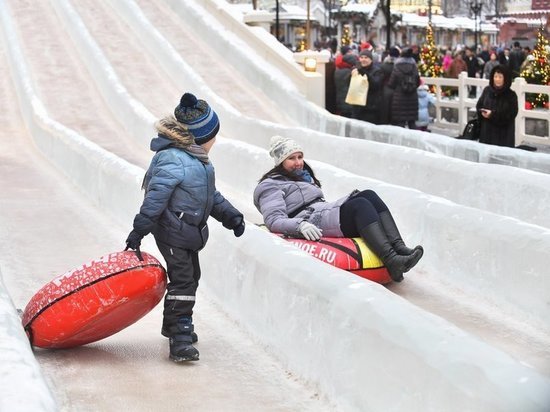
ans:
(47, 227)
(145, 336)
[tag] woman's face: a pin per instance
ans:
(294, 162)
(498, 79)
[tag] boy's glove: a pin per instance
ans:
(310, 231)
(134, 242)
(239, 229)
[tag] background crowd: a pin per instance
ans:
(391, 100)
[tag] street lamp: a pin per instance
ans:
(277, 20)
(308, 45)
(476, 7)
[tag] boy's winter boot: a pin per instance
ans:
(395, 237)
(165, 331)
(181, 347)
(375, 237)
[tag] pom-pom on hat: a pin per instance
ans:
(282, 147)
(201, 121)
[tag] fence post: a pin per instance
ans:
(517, 86)
(462, 94)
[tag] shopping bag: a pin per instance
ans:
(358, 89)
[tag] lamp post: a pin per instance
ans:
(277, 20)
(476, 7)
(308, 46)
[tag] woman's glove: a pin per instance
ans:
(310, 231)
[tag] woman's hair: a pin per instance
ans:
(280, 170)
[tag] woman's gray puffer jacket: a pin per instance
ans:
(278, 197)
(180, 194)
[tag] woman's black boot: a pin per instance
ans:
(395, 237)
(375, 237)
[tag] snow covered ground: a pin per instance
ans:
(467, 330)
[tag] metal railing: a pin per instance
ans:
(452, 113)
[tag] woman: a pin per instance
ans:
(404, 80)
(342, 76)
(447, 60)
(291, 201)
(490, 65)
(370, 112)
(457, 66)
(497, 109)
(387, 92)
(180, 195)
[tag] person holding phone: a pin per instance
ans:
(497, 108)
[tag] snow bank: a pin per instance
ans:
(23, 385)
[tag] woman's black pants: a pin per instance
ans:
(359, 211)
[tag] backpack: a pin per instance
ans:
(408, 83)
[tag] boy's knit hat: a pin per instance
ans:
(282, 147)
(201, 121)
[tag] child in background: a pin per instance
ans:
(425, 98)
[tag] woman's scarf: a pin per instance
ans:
(303, 174)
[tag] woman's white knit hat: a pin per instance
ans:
(282, 147)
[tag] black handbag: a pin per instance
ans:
(472, 129)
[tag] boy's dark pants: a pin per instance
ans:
(183, 272)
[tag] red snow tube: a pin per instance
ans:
(94, 301)
(351, 254)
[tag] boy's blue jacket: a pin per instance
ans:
(180, 195)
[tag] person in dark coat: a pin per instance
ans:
(180, 195)
(291, 201)
(405, 101)
(473, 69)
(517, 56)
(497, 108)
(387, 93)
(342, 76)
(371, 111)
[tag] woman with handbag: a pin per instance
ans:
(370, 110)
(291, 201)
(497, 108)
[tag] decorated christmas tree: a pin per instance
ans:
(346, 38)
(429, 65)
(537, 71)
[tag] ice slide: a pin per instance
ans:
(60, 75)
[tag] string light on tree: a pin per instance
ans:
(537, 71)
(346, 38)
(429, 56)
